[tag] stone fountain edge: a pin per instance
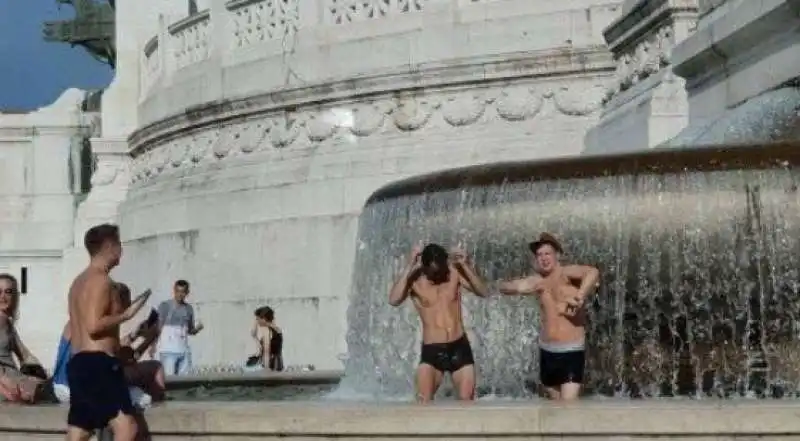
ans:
(589, 419)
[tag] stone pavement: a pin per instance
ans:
(587, 420)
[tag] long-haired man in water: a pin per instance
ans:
(562, 291)
(433, 279)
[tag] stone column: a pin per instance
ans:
(120, 98)
(119, 117)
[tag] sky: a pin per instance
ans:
(33, 73)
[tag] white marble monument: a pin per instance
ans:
(43, 158)
(262, 128)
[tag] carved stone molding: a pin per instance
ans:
(647, 57)
(111, 163)
(490, 68)
(396, 113)
(7, 132)
(642, 39)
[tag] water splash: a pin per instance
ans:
(698, 296)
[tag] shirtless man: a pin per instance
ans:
(561, 341)
(433, 281)
(98, 390)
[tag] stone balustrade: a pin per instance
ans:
(189, 39)
(255, 21)
(240, 31)
(151, 64)
(242, 24)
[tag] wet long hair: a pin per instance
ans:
(434, 259)
(14, 308)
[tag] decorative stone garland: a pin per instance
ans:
(399, 112)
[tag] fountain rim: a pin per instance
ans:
(659, 160)
(357, 421)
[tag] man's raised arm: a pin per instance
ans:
(469, 276)
(588, 276)
(402, 286)
(474, 282)
(523, 286)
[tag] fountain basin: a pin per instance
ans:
(593, 419)
(697, 249)
(256, 378)
(249, 386)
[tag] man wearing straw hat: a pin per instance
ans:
(561, 291)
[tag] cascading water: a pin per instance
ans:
(699, 272)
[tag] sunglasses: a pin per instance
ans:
(9, 291)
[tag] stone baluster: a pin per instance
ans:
(165, 49)
(220, 34)
(220, 29)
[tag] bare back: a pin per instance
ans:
(439, 308)
(90, 299)
(557, 327)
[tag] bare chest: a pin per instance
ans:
(427, 295)
(557, 291)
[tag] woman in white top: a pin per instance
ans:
(269, 339)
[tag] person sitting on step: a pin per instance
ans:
(269, 341)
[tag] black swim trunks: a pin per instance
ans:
(98, 390)
(447, 357)
(557, 368)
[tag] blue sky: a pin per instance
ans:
(34, 73)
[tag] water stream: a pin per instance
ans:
(700, 275)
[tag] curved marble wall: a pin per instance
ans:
(251, 174)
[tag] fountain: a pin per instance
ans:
(697, 250)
